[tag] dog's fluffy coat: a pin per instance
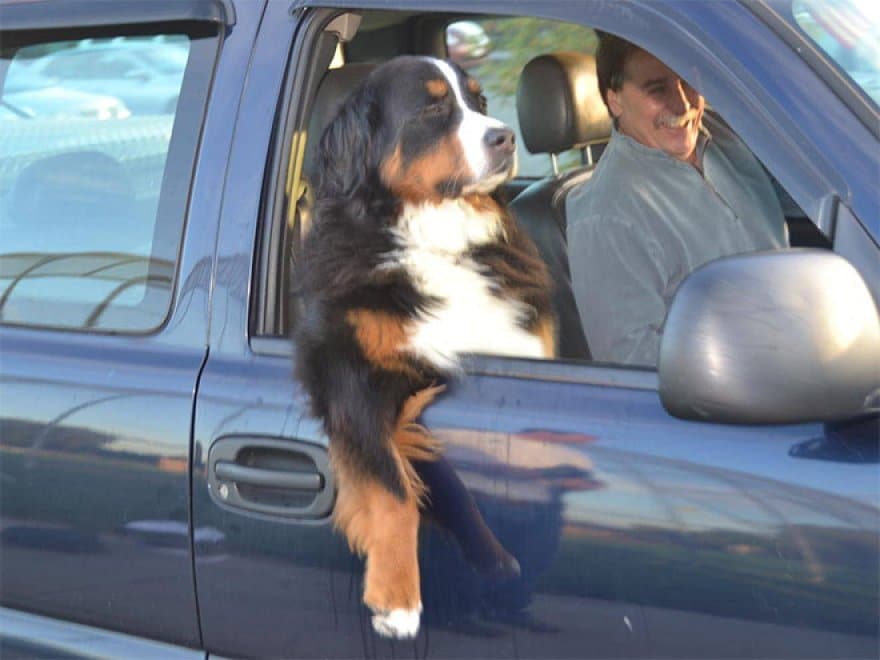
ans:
(409, 263)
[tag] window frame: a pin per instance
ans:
(793, 160)
(268, 304)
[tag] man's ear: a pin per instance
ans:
(613, 103)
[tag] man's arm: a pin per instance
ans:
(618, 282)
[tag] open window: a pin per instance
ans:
(342, 47)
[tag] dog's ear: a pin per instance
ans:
(344, 153)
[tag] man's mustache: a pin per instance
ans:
(677, 121)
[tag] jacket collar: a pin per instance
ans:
(636, 149)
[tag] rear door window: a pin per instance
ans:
(91, 211)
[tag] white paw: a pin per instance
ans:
(402, 624)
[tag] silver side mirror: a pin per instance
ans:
(770, 338)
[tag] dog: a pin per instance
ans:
(410, 262)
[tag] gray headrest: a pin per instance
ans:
(335, 87)
(559, 105)
(78, 186)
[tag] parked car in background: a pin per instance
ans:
(467, 43)
(723, 505)
(143, 74)
(62, 103)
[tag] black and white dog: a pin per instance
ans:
(410, 262)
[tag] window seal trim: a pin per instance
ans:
(45, 15)
(558, 371)
(269, 312)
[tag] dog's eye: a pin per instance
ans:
(435, 109)
(482, 104)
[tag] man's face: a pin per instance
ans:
(657, 108)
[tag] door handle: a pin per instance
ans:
(310, 481)
(279, 477)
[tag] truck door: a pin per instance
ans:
(637, 534)
(102, 302)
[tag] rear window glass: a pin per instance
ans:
(88, 237)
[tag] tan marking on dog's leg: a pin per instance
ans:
(385, 529)
(391, 583)
(546, 332)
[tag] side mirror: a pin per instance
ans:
(771, 338)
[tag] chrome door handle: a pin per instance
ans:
(279, 477)
(310, 481)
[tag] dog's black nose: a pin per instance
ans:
(502, 139)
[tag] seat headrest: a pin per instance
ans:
(559, 105)
(72, 187)
(335, 87)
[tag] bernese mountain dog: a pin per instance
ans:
(410, 262)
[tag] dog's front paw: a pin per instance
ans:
(491, 560)
(505, 568)
(400, 624)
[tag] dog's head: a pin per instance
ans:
(416, 127)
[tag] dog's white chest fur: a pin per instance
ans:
(471, 316)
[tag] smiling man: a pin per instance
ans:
(674, 189)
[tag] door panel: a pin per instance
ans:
(269, 585)
(659, 525)
(631, 529)
(95, 517)
(25, 635)
(97, 413)
(638, 535)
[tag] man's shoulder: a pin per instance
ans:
(604, 203)
(600, 195)
(612, 180)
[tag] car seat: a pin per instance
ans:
(334, 88)
(73, 201)
(62, 191)
(559, 108)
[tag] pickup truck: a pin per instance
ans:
(165, 493)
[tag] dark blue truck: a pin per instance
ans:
(163, 491)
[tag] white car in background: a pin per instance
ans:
(58, 102)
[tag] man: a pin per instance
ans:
(673, 190)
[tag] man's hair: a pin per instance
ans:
(611, 58)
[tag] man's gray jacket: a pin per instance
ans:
(644, 220)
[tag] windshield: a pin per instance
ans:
(848, 31)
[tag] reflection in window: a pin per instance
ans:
(85, 129)
(849, 33)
